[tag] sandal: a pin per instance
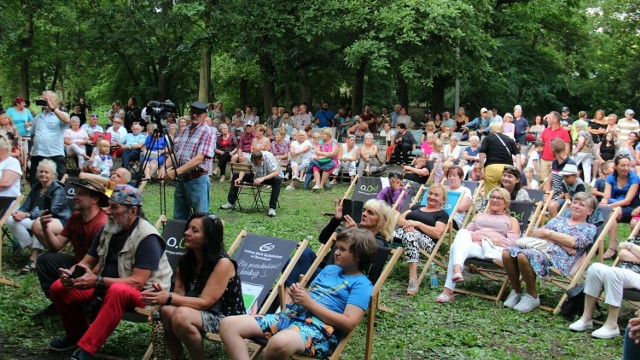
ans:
(31, 266)
(457, 277)
(444, 298)
(610, 254)
(412, 289)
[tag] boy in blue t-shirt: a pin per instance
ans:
(598, 185)
(317, 320)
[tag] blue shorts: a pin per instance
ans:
(319, 339)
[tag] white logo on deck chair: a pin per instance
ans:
(267, 247)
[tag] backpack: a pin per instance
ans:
(574, 304)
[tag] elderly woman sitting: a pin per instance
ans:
(420, 228)
(494, 225)
(75, 140)
(566, 240)
(613, 280)
(46, 195)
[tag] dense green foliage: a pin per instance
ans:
(539, 53)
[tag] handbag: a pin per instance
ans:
(491, 250)
(532, 243)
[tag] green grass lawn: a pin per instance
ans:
(418, 328)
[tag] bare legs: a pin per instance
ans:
(182, 325)
(517, 267)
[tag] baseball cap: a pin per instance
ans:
(569, 169)
(565, 109)
(94, 115)
(199, 106)
(94, 187)
(629, 112)
(249, 123)
(483, 110)
(126, 195)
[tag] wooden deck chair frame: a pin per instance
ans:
(277, 290)
(373, 301)
(245, 187)
(630, 295)
(8, 212)
(493, 269)
(572, 280)
(473, 210)
(431, 179)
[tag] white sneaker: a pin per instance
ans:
(272, 212)
(604, 333)
(581, 325)
(512, 300)
(227, 206)
(295, 178)
(289, 188)
(527, 303)
(316, 187)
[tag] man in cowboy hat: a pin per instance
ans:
(127, 257)
(84, 224)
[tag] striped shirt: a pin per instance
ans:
(626, 127)
(195, 141)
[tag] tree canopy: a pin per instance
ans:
(541, 54)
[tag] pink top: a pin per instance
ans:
(494, 226)
(426, 148)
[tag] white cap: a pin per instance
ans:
(569, 169)
(629, 112)
(483, 110)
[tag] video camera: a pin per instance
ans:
(159, 110)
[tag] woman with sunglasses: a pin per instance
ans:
(206, 290)
(494, 225)
(567, 239)
(620, 190)
(420, 228)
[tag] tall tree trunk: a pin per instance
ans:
(403, 91)
(163, 78)
(244, 84)
(268, 85)
(437, 102)
(305, 88)
(205, 73)
(56, 74)
(358, 89)
(26, 43)
(288, 96)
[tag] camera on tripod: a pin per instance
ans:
(160, 110)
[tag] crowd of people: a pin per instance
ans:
(119, 260)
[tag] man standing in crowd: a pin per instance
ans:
(81, 228)
(405, 143)
(266, 171)
(496, 117)
(127, 257)
(77, 111)
(395, 114)
(48, 136)
(324, 116)
(131, 145)
(566, 121)
(553, 131)
(627, 125)
(194, 149)
(521, 125)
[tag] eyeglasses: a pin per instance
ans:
(496, 198)
(213, 217)
(118, 122)
(623, 156)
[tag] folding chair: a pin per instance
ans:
(539, 195)
(248, 188)
(377, 274)
(524, 212)
(364, 189)
(476, 188)
(263, 269)
(8, 206)
(632, 295)
(69, 189)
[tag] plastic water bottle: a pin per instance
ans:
(433, 275)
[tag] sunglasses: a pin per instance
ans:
(213, 217)
(623, 156)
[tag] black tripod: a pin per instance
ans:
(158, 134)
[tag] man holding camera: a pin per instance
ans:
(127, 257)
(194, 150)
(48, 135)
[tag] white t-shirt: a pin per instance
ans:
(117, 135)
(296, 146)
(76, 136)
(350, 154)
(387, 135)
(534, 156)
(104, 163)
(533, 184)
(455, 153)
(12, 164)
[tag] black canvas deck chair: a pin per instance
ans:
(8, 205)
(384, 260)
(364, 188)
(263, 266)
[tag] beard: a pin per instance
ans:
(112, 226)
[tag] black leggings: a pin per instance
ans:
(222, 162)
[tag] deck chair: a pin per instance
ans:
(536, 196)
(262, 267)
(384, 261)
(577, 272)
(632, 295)
(476, 188)
(364, 188)
(523, 211)
(248, 189)
(8, 205)
(414, 194)
(69, 189)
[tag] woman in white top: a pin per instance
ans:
(390, 137)
(369, 162)
(403, 118)
(75, 140)
(452, 151)
(508, 127)
(300, 153)
(347, 158)
(10, 170)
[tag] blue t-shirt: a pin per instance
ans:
(20, 119)
(325, 117)
(618, 194)
(335, 290)
(599, 185)
(48, 131)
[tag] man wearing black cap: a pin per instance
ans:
(84, 224)
(566, 121)
(194, 150)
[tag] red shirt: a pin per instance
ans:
(81, 233)
(549, 134)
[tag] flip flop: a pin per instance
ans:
(412, 289)
(457, 277)
(31, 266)
(444, 298)
(610, 254)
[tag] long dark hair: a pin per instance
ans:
(211, 251)
(515, 172)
